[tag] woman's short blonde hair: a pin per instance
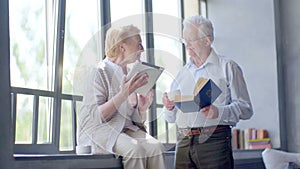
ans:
(117, 35)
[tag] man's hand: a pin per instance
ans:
(167, 102)
(210, 111)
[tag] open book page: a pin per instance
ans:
(205, 93)
(153, 72)
(183, 98)
(199, 85)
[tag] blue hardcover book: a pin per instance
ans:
(205, 93)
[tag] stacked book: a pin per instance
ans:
(259, 143)
(250, 138)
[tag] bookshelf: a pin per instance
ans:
(250, 139)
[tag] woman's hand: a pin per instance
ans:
(127, 89)
(133, 100)
(138, 80)
(167, 102)
(144, 102)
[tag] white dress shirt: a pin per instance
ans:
(233, 103)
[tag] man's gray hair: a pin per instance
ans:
(204, 25)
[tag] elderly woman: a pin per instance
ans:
(112, 116)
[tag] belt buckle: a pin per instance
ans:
(186, 132)
(208, 130)
(197, 131)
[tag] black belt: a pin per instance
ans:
(200, 130)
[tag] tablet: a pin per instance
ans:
(153, 72)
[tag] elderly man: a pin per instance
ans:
(204, 138)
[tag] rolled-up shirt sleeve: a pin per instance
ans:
(170, 116)
(239, 106)
(100, 95)
(94, 96)
(136, 116)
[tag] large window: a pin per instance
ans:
(53, 45)
(32, 37)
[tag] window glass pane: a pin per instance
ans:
(82, 47)
(124, 13)
(167, 25)
(191, 7)
(168, 47)
(167, 7)
(24, 119)
(172, 132)
(121, 9)
(66, 136)
(167, 41)
(166, 132)
(194, 7)
(163, 83)
(203, 8)
(31, 44)
(44, 120)
(163, 58)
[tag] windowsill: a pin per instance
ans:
(73, 161)
(89, 161)
(61, 156)
(71, 156)
(237, 155)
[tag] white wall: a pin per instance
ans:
(245, 31)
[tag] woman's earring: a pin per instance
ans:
(122, 49)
